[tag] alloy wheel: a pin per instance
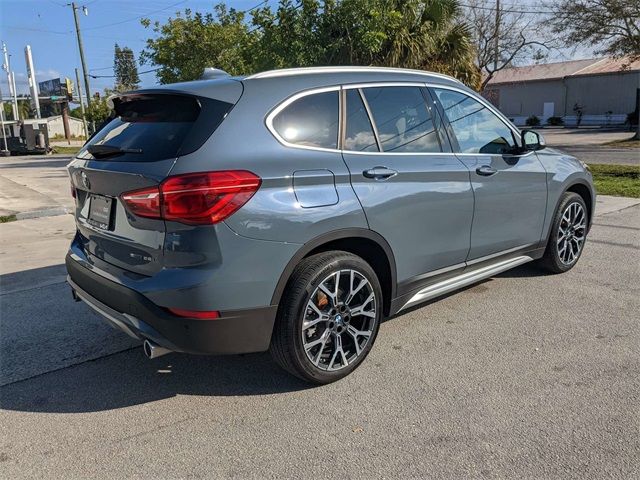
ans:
(339, 320)
(572, 232)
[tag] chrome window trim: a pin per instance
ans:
(270, 117)
(285, 103)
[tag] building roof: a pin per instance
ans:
(551, 71)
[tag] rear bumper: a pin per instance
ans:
(236, 331)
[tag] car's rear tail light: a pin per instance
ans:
(195, 198)
(198, 314)
(144, 202)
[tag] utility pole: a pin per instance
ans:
(80, 47)
(6, 66)
(84, 118)
(33, 84)
(4, 151)
(496, 40)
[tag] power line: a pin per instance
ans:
(505, 10)
(113, 76)
(136, 18)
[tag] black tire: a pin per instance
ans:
(287, 347)
(552, 260)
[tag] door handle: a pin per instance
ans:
(379, 173)
(486, 170)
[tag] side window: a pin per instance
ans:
(310, 121)
(402, 119)
(359, 134)
(477, 128)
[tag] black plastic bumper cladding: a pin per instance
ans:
(238, 331)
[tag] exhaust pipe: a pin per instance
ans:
(153, 350)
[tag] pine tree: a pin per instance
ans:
(125, 69)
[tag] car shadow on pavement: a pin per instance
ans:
(128, 378)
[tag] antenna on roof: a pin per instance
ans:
(210, 73)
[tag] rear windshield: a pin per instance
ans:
(150, 127)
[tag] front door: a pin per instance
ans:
(415, 192)
(510, 190)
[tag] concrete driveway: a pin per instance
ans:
(592, 145)
(524, 375)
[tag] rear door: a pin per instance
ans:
(134, 150)
(414, 191)
(510, 189)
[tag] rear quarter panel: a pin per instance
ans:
(275, 213)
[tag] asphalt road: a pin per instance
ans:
(524, 375)
(600, 154)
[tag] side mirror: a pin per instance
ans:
(532, 140)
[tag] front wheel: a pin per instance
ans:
(329, 317)
(568, 234)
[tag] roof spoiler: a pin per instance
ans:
(211, 73)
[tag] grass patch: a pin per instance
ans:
(617, 180)
(71, 150)
(7, 218)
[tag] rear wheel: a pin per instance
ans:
(329, 317)
(568, 234)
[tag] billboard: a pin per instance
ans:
(56, 87)
(51, 88)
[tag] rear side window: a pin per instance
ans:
(150, 127)
(359, 134)
(310, 121)
(477, 129)
(402, 119)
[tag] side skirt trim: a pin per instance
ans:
(464, 279)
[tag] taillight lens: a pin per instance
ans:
(195, 198)
(144, 202)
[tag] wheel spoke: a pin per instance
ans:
(322, 339)
(330, 294)
(341, 342)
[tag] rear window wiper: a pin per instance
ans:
(104, 151)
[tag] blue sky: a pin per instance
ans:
(47, 25)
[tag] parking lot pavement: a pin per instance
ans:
(524, 375)
(34, 186)
(591, 145)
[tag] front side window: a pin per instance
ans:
(402, 119)
(310, 121)
(359, 134)
(477, 129)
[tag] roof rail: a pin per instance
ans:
(210, 73)
(285, 72)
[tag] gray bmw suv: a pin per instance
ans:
(293, 210)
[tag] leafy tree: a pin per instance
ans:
(188, 43)
(125, 69)
(98, 111)
(422, 34)
(611, 25)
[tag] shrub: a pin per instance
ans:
(555, 121)
(533, 121)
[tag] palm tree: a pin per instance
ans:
(429, 36)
